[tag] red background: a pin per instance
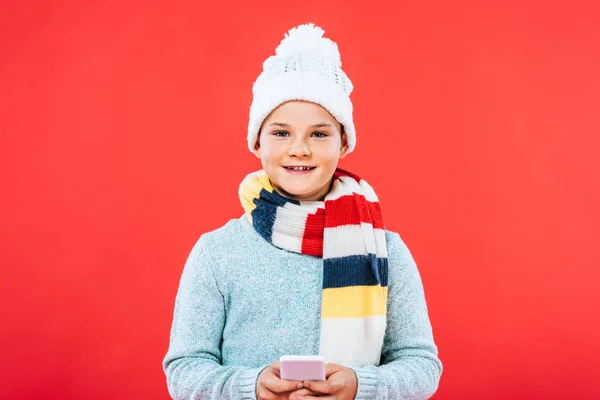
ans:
(122, 139)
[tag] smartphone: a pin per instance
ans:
(302, 368)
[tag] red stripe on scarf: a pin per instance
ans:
(352, 210)
(312, 241)
(341, 172)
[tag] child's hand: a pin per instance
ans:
(341, 384)
(302, 393)
(270, 387)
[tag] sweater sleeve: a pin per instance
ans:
(193, 361)
(410, 367)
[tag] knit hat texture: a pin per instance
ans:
(306, 66)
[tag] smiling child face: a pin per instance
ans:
(301, 134)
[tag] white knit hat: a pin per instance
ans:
(306, 66)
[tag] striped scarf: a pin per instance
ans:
(346, 230)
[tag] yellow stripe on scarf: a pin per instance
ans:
(250, 190)
(354, 301)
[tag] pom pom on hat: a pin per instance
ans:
(308, 38)
(306, 66)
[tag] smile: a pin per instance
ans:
(299, 168)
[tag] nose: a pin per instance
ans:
(299, 148)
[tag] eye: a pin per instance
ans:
(320, 134)
(281, 133)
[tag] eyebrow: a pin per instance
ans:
(319, 125)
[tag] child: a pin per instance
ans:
(309, 268)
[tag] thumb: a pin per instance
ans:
(331, 368)
(317, 386)
(275, 368)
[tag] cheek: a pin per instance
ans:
(331, 154)
(268, 155)
(274, 151)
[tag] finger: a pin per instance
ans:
(333, 384)
(338, 377)
(275, 366)
(305, 392)
(318, 386)
(276, 385)
(294, 397)
(331, 368)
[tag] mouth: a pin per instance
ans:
(298, 170)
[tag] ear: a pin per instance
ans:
(256, 150)
(344, 146)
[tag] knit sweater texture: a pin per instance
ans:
(242, 303)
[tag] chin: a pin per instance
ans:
(296, 192)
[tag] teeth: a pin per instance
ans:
(299, 168)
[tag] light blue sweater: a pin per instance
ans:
(242, 303)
